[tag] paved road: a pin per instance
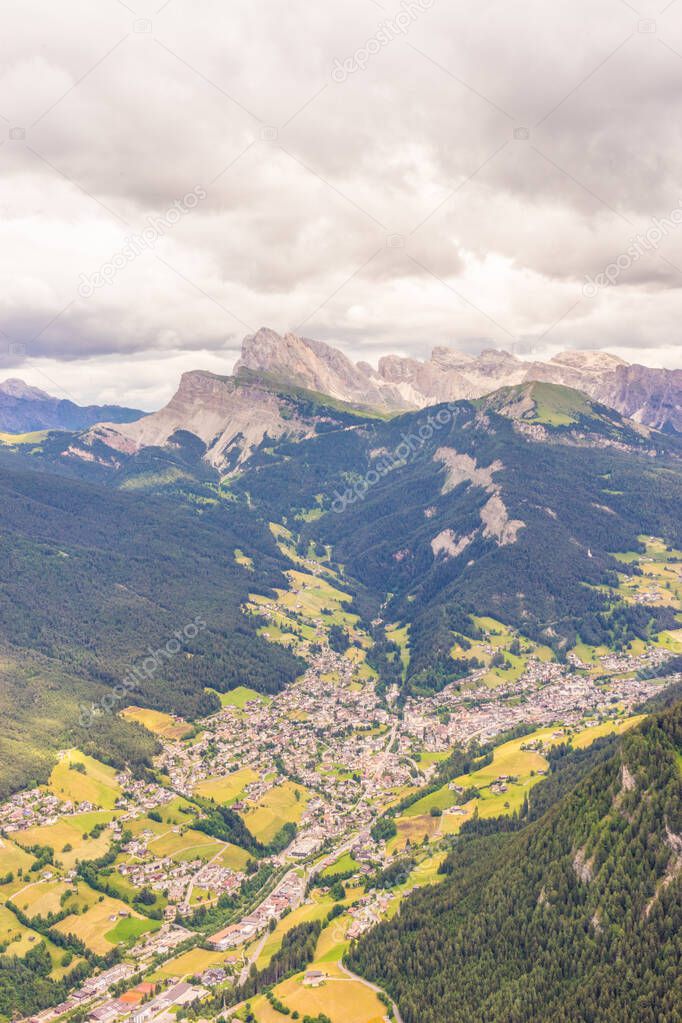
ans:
(259, 945)
(258, 948)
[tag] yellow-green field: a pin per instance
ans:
(363, 670)
(520, 770)
(240, 696)
(102, 926)
(509, 759)
(189, 963)
(671, 639)
(280, 629)
(127, 930)
(590, 655)
(139, 825)
(43, 897)
(234, 857)
(315, 597)
(316, 910)
(188, 846)
(661, 579)
(424, 873)
(97, 785)
(311, 602)
(400, 635)
(498, 638)
(21, 939)
(23, 438)
(227, 788)
(200, 895)
(13, 857)
(287, 545)
(172, 812)
(556, 405)
(280, 805)
(302, 715)
(332, 943)
(412, 830)
(588, 735)
(243, 559)
(165, 725)
(342, 865)
(341, 999)
(426, 760)
(73, 832)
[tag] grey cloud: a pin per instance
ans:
(316, 189)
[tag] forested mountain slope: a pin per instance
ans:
(510, 507)
(576, 918)
(93, 582)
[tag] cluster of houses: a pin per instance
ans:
(140, 796)
(546, 693)
(37, 807)
(161, 943)
(92, 989)
(161, 874)
(286, 896)
(349, 750)
(137, 1006)
(216, 975)
(367, 912)
(343, 780)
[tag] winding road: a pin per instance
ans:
(374, 987)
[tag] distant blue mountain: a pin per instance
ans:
(24, 408)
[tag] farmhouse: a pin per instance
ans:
(314, 978)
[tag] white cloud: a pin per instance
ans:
(316, 189)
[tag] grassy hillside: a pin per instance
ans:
(577, 917)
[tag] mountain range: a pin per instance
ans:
(511, 505)
(227, 418)
(650, 396)
(430, 498)
(231, 415)
(25, 409)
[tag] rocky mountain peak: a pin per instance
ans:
(16, 388)
(314, 365)
(588, 362)
(231, 416)
(653, 397)
(450, 358)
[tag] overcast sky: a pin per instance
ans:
(385, 176)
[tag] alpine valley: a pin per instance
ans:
(344, 693)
